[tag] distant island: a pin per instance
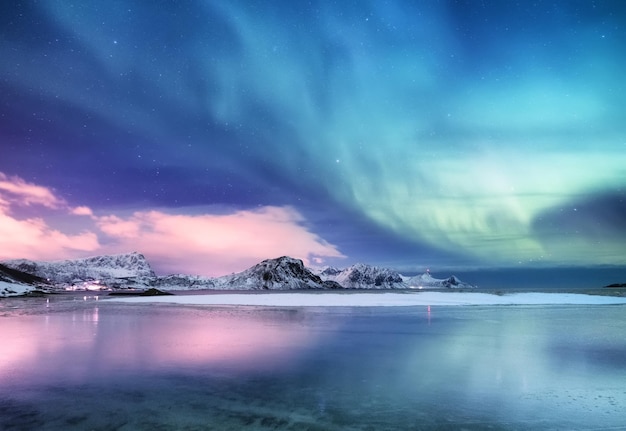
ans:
(616, 285)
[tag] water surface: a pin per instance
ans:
(77, 363)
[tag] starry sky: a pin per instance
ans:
(478, 137)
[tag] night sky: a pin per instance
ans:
(464, 136)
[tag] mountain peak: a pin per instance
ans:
(273, 274)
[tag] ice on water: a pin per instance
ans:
(382, 299)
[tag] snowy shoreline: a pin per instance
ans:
(391, 299)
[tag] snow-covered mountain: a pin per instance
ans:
(14, 282)
(361, 276)
(108, 270)
(133, 271)
(283, 273)
(427, 281)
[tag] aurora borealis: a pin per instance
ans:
(411, 134)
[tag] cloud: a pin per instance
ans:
(33, 237)
(210, 244)
(601, 215)
(203, 244)
(17, 191)
(82, 210)
(592, 226)
(119, 228)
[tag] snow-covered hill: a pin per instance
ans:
(361, 276)
(14, 282)
(283, 273)
(108, 270)
(184, 282)
(427, 281)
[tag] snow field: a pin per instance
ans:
(379, 299)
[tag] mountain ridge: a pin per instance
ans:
(363, 276)
(104, 268)
(132, 270)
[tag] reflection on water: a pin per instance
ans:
(97, 341)
(99, 365)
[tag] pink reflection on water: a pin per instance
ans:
(78, 345)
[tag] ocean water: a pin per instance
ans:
(81, 363)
